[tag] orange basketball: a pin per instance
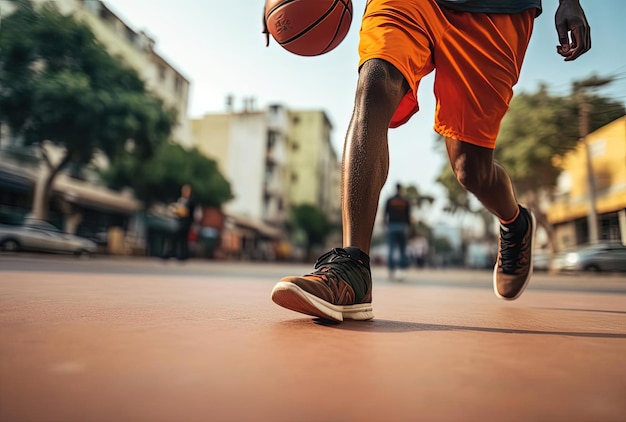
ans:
(308, 27)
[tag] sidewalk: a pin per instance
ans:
(136, 347)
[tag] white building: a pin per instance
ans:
(250, 149)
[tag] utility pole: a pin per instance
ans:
(580, 88)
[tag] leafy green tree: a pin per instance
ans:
(59, 86)
(313, 222)
(537, 128)
(160, 178)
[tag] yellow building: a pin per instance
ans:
(568, 213)
(314, 169)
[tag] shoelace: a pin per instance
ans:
(509, 253)
(334, 266)
(337, 266)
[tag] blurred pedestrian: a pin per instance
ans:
(184, 210)
(417, 249)
(398, 224)
(476, 49)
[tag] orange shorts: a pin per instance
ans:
(476, 57)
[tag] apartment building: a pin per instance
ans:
(250, 149)
(568, 213)
(94, 204)
(314, 169)
(274, 159)
(137, 49)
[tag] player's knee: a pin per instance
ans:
(379, 83)
(471, 177)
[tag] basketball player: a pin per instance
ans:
(476, 48)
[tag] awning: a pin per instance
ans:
(259, 227)
(86, 194)
(93, 196)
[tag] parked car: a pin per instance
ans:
(41, 236)
(599, 257)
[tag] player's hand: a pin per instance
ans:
(265, 31)
(573, 30)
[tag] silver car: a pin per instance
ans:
(41, 236)
(599, 257)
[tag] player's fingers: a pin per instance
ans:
(580, 42)
(563, 33)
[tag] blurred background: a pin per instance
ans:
(108, 107)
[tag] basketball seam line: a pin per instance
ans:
(311, 26)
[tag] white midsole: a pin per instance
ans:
(336, 310)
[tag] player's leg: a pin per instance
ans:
(341, 285)
(473, 93)
(476, 170)
(365, 162)
(391, 64)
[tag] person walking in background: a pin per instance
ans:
(184, 210)
(398, 224)
(476, 49)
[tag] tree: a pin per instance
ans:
(417, 198)
(59, 86)
(537, 128)
(160, 178)
(313, 222)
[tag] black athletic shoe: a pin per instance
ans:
(340, 287)
(515, 259)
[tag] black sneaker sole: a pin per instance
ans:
(290, 296)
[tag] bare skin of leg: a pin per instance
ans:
(365, 163)
(476, 171)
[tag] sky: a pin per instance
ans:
(219, 47)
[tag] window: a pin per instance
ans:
(162, 72)
(130, 35)
(178, 85)
(274, 109)
(271, 139)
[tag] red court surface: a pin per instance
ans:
(120, 347)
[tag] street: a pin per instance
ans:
(107, 339)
